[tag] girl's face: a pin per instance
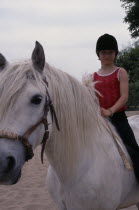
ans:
(107, 56)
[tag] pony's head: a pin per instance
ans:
(25, 112)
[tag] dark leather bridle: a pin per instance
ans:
(24, 138)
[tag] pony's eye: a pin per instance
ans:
(36, 99)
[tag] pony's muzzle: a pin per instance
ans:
(8, 171)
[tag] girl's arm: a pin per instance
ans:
(123, 78)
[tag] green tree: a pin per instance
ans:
(132, 16)
(128, 58)
(133, 101)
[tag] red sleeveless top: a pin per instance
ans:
(109, 87)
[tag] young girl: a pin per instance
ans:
(113, 86)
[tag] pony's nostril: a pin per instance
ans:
(10, 164)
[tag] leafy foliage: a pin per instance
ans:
(133, 102)
(132, 16)
(128, 58)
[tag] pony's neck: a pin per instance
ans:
(78, 116)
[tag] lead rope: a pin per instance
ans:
(45, 122)
(52, 109)
(45, 137)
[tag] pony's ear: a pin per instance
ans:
(38, 57)
(3, 62)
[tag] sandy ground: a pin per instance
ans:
(30, 193)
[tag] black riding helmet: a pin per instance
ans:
(106, 42)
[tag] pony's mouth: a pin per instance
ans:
(17, 178)
(10, 180)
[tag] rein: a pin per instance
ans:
(24, 138)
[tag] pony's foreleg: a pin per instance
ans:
(137, 205)
(61, 205)
(64, 206)
(54, 188)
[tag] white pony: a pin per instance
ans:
(86, 170)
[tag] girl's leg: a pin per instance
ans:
(119, 120)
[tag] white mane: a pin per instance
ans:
(78, 113)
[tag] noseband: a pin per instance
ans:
(24, 138)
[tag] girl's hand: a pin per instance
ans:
(105, 112)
